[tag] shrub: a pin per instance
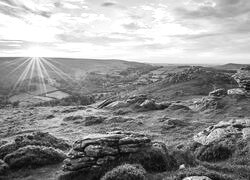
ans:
(153, 159)
(126, 172)
(214, 152)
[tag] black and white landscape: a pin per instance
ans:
(124, 90)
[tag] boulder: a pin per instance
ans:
(237, 92)
(105, 103)
(238, 127)
(117, 104)
(137, 99)
(3, 167)
(197, 178)
(37, 138)
(149, 105)
(218, 92)
(99, 153)
(246, 133)
(177, 106)
(33, 156)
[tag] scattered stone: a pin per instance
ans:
(38, 138)
(33, 156)
(218, 92)
(93, 120)
(197, 178)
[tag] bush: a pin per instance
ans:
(155, 159)
(214, 152)
(126, 172)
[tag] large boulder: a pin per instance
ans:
(223, 129)
(100, 153)
(37, 138)
(33, 156)
(221, 141)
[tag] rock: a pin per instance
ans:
(105, 103)
(148, 105)
(119, 119)
(72, 118)
(172, 123)
(137, 99)
(3, 167)
(93, 120)
(242, 77)
(50, 116)
(197, 178)
(218, 92)
(117, 104)
(237, 92)
(238, 127)
(176, 106)
(38, 138)
(103, 151)
(33, 156)
(246, 133)
(182, 166)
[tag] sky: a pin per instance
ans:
(156, 31)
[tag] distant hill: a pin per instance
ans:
(230, 66)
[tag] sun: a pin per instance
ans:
(36, 51)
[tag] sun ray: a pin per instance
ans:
(18, 67)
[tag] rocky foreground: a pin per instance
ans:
(204, 138)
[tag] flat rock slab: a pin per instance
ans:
(197, 178)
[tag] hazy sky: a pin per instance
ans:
(165, 31)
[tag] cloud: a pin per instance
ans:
(108, 4)
(214, 9)
(16, 8)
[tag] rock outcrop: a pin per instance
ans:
(238, 127)
(97, 152)
(242, 77)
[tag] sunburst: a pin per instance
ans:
(34, 67)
